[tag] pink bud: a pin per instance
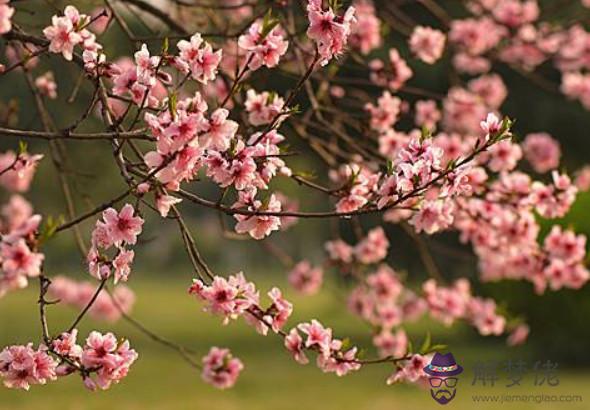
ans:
(64, 370)
(89, 384)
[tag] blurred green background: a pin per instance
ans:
(271, 380)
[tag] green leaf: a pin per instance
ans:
(22, 147)
(172, 102)
(268, 24)
(437, 348)
(48, 229)
(390, 168)
(334, 4)
(426, 343)
(345, 344)
(165, 45)
(426, 133)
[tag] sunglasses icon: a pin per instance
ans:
(438, 381)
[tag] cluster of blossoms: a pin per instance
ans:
(264, 46)
(333, 355)
(115, 230)
(455, 168)
(19, 256)
(79, 294)
(23, 366)
(102, 355)
(235, 297)
(329, 30)
(504, 232)
(263, 108)
(68, 31)
(220, 368)
(456, 302)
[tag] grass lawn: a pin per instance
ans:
(271, 379)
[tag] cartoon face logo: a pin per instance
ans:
(441, 376)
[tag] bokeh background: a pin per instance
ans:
(559, 323)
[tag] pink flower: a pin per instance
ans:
(279, 311)
(446, 304)
(384, 284)
(481, 312)
(112, 359)
(518, 336)
(122, 265)
(263, 51)
(394, 76)
(329, 31)
(385, 114)
(219, 131)
(19, 178)
(391, 344)
(317, 336)
(294, 344)
(197, 57)
(22, 366)
(305, 278)
(565, 245)
(491, 89)
(230, 297)
(514, 13)
(427, 114)
(427, 44)
(463, 111)
(373, 248)
(339, 362)
(262, 108)
(504, 156)
(475, 36)
(6, 13)
(411, 371)
(19, 260)
(257, 226)
(165, 202)
(433, 216)
(46, 85)
(542, 151)
(491, 125)
(582, 181)
(65, 345)
(365, 34)
(146, 66)
(220, 368)
(338, 250)
(62, 33)
(122, 227)
(100, 350)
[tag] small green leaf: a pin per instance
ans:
(172, 102)
(165, 45)
(48, 229)
(426, 343)
(437, 348)
(390, 168)
(268, 24)
(22, 147)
